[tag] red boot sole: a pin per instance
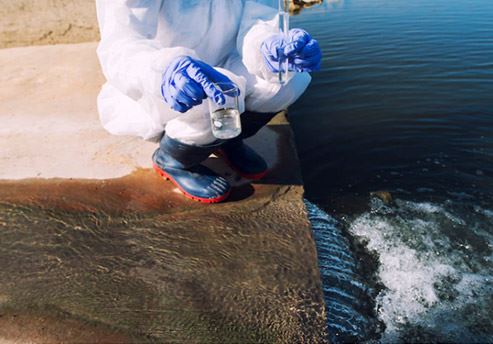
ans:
(186, 194)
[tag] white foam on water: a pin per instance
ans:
(486, 212)
(408, 279)
(429, 285)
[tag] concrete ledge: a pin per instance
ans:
(94, 242)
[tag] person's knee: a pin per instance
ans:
(192, 127)
(285, 95)
(293, 90)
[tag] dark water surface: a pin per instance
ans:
(404, 103)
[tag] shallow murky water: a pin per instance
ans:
(131, 257)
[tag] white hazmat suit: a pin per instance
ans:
(139, 38)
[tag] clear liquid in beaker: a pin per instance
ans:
(226, 123)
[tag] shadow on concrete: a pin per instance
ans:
(275, 144)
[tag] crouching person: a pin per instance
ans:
(162, 59)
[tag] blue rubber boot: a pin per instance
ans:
(180, 163)
(244, 160)
(240, 157)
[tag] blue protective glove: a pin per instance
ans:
(186, 82)
(302, 51)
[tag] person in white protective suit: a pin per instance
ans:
(162, 59)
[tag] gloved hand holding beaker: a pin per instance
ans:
(187, 82)
(302, 51)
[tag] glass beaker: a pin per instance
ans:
(225, 118)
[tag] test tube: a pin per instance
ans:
(283, 29)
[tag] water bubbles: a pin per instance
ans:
(429, 278)
(400, 319)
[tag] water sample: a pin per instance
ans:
(226, 123)
(225, 117)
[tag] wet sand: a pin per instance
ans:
(36, 22)
(17, 328)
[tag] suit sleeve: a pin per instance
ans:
(259, 21)
(132, 59)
